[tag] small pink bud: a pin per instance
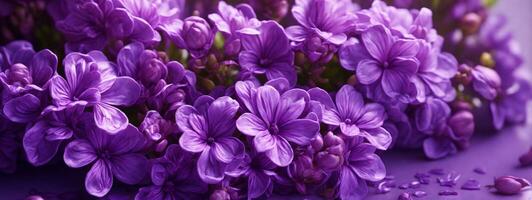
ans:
(510, 185)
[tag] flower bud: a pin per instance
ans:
(151, 69)
(463, 124)
(220, 194)
(197, 35)
(331, 158)
(470, 23)
(317, 142)
(19, 73)
(510, 185)
(274, 9)
(486, 82)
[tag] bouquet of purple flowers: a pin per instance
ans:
(231, 100)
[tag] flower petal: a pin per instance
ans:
(221, 115)
(258, 183)
(373, 116)
(349, 129)
(378, 137)
(368, 71)
(43, 66)
(250, 124)
(124, 92)
(182, 116)
(263, 141)
(378, 41)
(281, 154)
(192, 141)
(228, 149)
(210, 170)
(23, 109)
(436, 148)
(109, 118)
(370, 168)
(38, 150)
(60, 91)
(349, 102)
(79, 153)
(129, 168)
(299, 131)
(351, 187)
(267, 100)
(291, 105)
(99, 180)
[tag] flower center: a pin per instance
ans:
(264, 61)
(19, 73)
(169, 186)
(210, 140)
(104, 154)
(348, 121)
(274, 129)
(386, 64)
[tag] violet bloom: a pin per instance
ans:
(92, 81)
(115, 155)
(436, 71)
(195, 35)
(486, 82)
(510, 105)
(41, 141)
(92, 25)
(260, 172)
(267, 51)
(361, 165)
(274, 120)
(399, 21)
(231, 19)
(384, 62)
(320, 23)
(24, 78)
(207, 129)
(353, 116)
(173, 177)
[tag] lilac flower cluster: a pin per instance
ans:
(225, 103)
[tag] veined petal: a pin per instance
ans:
(109, 118)
(79, 153)
(281, 154)
(99, 180)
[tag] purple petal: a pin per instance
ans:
(124, 92)
(258, 183)
(263, 141)
(129, 168)
(221, 115)
(299, 131)
(369, 167)
(349, 102)
(296, 33)
(79, 153)
(127, 59)
(368, 71)
(250, 124)
(351, 54)
(43, 66)
(38, 150)
(60, 91)
(281, 154)
(126, 141)
(372, 118)
(283, 70)
(182, 116)
(210, 170)
(99, 180)
(267, 100)
(438, 148)
(349, 129)
(23, 109)
(192, 141)
(378, 137)
(246, 93)
(227, 149)
(405, 48)
(348, 181)
(378, 41)
(109, 118)
(291, 105)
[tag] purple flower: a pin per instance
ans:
(92, 25)
(274, 120)
(385, 62)
(397, 20)
(320, 23)
(510, 105)
(352, 116)
(229, 20)
(113, 155)
(195, 35)
(361, 165)
(143, 65)
(92, 81)
(436, 71)
(24, 78)
(260, 173)
(155, 127)
(267, 51)
(486, 82)
(41, 141)
(207, 129)
(173, 177)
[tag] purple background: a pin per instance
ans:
(497, 153)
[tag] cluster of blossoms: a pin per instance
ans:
(191, 101)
